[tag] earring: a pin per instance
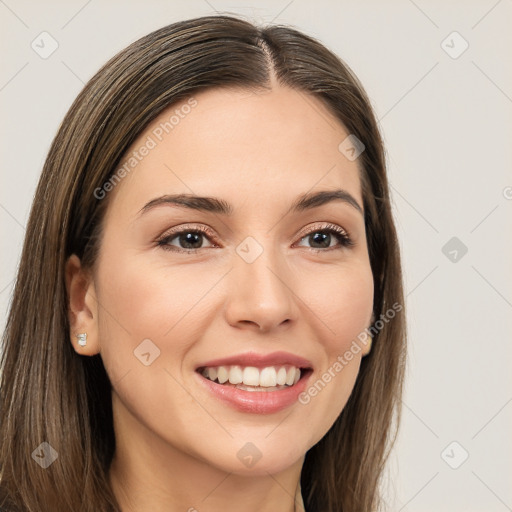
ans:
(82, 339)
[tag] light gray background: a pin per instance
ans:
(448, 132)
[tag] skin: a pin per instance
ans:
(176, 445)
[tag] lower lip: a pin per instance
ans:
(258, 402)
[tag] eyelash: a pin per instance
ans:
(342, 235)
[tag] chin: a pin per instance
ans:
(259, 456)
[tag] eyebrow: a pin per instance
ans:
(219, 206)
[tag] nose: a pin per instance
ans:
(261, 293)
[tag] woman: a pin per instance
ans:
(208, 313)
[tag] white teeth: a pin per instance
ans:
(235, 375)
(281, 376)
(251, 376)
(212, 373)
(268, 377)
(290, 376)
(222, 374)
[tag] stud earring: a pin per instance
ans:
(82, 339)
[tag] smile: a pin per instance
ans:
(250, 378)
(256, 383)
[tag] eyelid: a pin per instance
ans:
(188, 227)
(322, 226)
(177, 230)
(343, 236)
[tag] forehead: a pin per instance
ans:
(240, 145)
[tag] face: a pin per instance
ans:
(182, 292)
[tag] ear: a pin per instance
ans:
(82, 307)
(368, 345)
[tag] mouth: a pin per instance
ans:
(253, 378)
(256, 383)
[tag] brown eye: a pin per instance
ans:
(189, 240)
(321, 238)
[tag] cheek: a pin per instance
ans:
(146, 300)
(344, 309)
(134, 307)
(148, 314)
(143, 298)
(342, 300)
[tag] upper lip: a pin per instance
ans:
(259, 360)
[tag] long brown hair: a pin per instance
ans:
(48, 393)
